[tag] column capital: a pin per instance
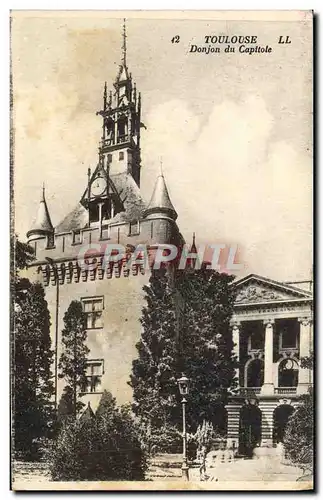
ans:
(235, 325)
(305, 321)
(269, 323)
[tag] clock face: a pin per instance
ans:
(98, 186)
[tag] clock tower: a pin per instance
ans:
(119, 148)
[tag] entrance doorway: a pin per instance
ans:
(281, 416)
(249, 429)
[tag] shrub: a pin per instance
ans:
(166, 439)
(101, 448)
(299, 434)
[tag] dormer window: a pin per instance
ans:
(94, 212)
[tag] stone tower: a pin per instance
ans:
(111, 210)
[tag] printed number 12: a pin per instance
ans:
(175, 39)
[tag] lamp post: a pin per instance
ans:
(54, 266)
(183, 384)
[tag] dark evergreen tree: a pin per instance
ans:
(154, 373)
(107, 405)
(205, 352)
(185, 329)
(72, 363)
(31, 360)
(65, 409)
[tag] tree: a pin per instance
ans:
(100, 447)
(31, 359)
(206, 350)
(107, 405)
(72, 363)
(153, 377)
(65, 409)
(299, 434)
(308, 361)
(185, 329)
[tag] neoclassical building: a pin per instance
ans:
(272, 331)
(272, 321)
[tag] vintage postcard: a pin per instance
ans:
(162, 285)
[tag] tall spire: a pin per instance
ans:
(123, 74)
(124, 44)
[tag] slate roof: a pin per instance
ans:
(160, 200)
(43, 221)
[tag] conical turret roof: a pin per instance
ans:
(42, 224)
(160, 201)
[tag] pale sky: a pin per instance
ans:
(234, 131)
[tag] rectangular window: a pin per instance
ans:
(289, 339)
(93, 308)
(109, 158)
(121, 155)
(76, 237)
(256, 341)
(93, 376)
(134, 228)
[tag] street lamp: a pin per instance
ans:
(54, 266)
(183, 384)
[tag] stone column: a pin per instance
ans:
(268, 387)
(304, 374)
(236, 326)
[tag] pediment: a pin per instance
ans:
(254, 289)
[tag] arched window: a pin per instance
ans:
(288, 373)
(255, 373)
(110, 129)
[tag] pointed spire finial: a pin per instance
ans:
(161, 166)
(43, 191)
(124, 43)
(194, 238)
(105, 96)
